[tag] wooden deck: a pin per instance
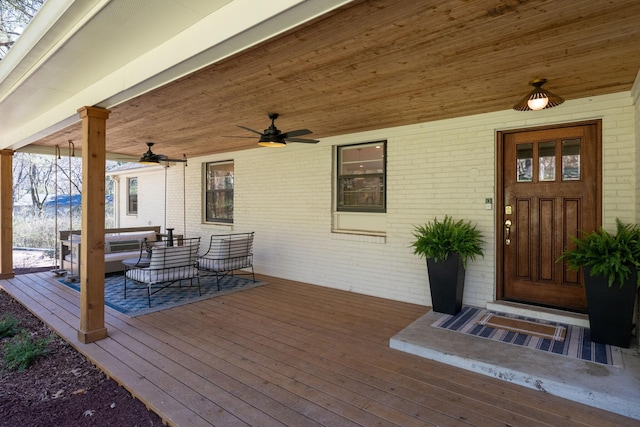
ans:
(292, 354)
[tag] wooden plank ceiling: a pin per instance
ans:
(378, 64)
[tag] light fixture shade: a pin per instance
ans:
(144, 161)
(538, 98)
(272, 143)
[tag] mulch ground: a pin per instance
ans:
(61, 388)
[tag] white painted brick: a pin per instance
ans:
(445, 167)
(150, 201)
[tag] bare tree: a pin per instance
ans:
(15, 15)
(33, 176)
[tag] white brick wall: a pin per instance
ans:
(150, 197)
(438, 168)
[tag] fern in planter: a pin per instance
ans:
(614, 256)
(437, 240)
(447, 245)
(607, 259)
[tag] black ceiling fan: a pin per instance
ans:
(151, 158)
(273, 137)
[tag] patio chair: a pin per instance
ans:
(170, 262)
(228, 254)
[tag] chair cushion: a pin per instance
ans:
(224, 264)
(169, 263)
(229, 253)
(173, 256)
(148, 276)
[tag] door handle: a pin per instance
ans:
(507, 232)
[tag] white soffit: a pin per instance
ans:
(101, 52)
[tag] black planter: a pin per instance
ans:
(446, 280)
(610, 309)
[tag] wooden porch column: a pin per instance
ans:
(92, 241)
(6, 214)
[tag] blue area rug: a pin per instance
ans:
(137, 304)
(576, 343)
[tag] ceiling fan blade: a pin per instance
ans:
(295, 133)
(249, 129)
(307, 141)
(236, 136)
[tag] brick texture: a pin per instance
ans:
(445, 167)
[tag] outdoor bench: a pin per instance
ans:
(119, 244)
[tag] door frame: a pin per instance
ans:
(499, 217)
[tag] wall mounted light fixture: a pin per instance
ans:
(538, 98)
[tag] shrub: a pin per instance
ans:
(23, 350)
(8, 325)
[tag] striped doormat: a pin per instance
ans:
(523, 326)
(572, 341)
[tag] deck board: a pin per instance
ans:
(278, 367)
(337, 375)
(292, 354)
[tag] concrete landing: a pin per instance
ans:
(615, 389)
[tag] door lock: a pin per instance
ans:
(507, 232)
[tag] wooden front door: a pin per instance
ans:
(550, 188)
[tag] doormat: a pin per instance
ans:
(527, 327)
(576, 344)
(137, 304)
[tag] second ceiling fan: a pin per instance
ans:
(273, 137)
(151, 158)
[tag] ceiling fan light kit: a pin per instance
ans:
(275, 144)
(273, 137)
(538, 98)
(149, 158)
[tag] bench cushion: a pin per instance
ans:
(128, 241)
(122, 246)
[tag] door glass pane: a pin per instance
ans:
(571, 160)
(547, 161)
(525, 162)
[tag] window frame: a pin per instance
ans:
(131, 210)
(341, 176)
(208, 193)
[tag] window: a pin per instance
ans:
(362, 177)
(132, 196)
(219, 191)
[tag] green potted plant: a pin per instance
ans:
(447, 245)
(610, 264)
